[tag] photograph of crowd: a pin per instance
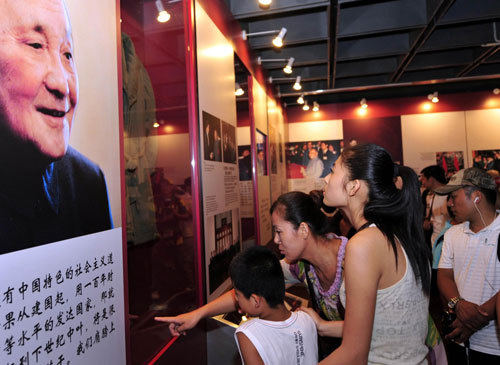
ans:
(312, 159)
(486, 159)
(261, 153)
(450, 161)
(211, 138)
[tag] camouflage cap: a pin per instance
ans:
(468, 177)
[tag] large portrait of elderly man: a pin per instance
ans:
(49, 191)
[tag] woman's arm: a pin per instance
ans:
(180, 324)
(325, 328)
(362, 275)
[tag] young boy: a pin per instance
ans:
(277, 336)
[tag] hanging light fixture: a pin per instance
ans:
(163, 15)
(496, 91)
(297, 85)
(315, 107)
(238, 90)
(265, 4)
(278, 41)
(300, 99)
(433, 97)
(288, 68)
(306, 106)
(363, 103)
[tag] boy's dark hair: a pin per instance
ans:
(256, 270)
(436, 172)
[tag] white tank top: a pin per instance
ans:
(400, 322)
(290, 342)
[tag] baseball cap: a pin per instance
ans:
(468, 177)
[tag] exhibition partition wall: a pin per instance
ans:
(161, 173)
(181, 166)
(259, 134)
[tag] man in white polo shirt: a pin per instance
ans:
(469, 270)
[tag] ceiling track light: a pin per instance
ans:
(496, 91)
(288, 67)
(300, 99)
(163, 15)
(315, 106)
(238, 90)
(496, 42)
(363, 103)
(434, 97)
(297, 85)
(265, 4)
(305, 107)
(277, 41)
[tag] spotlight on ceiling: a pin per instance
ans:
(265, 4)
(363, 103)
(315, 106)
(306, 106)
(238, 90)
(278, 41)
(433, 97)
(288, 68)
(297, 85)
(300, 99)
(163, 15)
(496, 91)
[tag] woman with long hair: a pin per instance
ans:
(387, 263)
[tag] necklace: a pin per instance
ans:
(335, 287)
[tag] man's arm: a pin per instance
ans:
(249, 353)
(490, 307)
(470, 314)
(498, 307)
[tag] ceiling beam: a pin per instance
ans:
(333, 27)
(478, 61)
(425, 33)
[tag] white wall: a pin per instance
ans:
(315, 131)
(483, 130)
(425, 134)
(95, 131)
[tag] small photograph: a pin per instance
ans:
(212, 144)
(228, 143)
(274, 159)
(261, 154)
(486, 159)
(293, 302)
(311, 159)
(450, 161)
(227, 245)
(245, 163)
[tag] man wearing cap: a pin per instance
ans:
(469, 270)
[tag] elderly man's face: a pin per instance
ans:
(38, 80)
